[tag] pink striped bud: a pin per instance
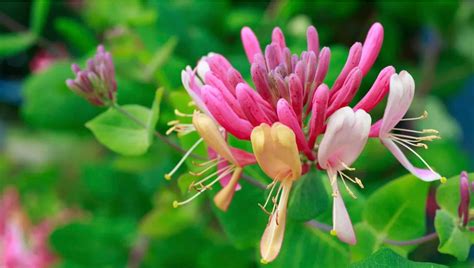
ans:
(347, 92)
(296, 95)
(260, 79)
(372, 45)
(272, 56)
(318, 113)
(224, 115)
(378, 90)
(463, 209)
(287, 116)
(352, 61)
(312, 39)
(278, 38)
(215, 82)
(251, 108)
(251, 44)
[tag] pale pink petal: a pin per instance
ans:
(423, 174)
(342, 223)
(402, 90)
(345, 137)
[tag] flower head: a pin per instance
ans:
(21, 244)
(402, 90)
(96, 82)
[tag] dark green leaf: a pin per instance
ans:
(308, 198)
(386, 257)
(13, 43)
(39, 15)
(76, 34)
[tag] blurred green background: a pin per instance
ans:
(122, 205)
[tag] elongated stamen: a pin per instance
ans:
(213, 164)
(416, 138)
(424, 131)
(353, 180)
(413, 151)
(181, 128)
(347, 167)
(275, 201)
(423, 116)
(224, 170)
(411, 143)
(272, 187)
(179, 113)
(346, 186)
(202, 164)
(181, 161)
(209, 186)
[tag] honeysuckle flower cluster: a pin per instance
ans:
(283, 116)
(96, 83)
(21, 243)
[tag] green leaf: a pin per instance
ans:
(308, 247)
(76, 34)
(155, 111)
(120, 133)
(244, 221)
(93, 244)
(395, 212)
(13, 43)
(159, 58)
(452, 239)
(308, 197)
(386, 257)
(367, 242)
(50, 104)
(39, 14)
(184, 181)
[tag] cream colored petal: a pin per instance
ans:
(209, 131)
(272, 238)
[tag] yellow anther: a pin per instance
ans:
(333, 232)
(443, 180)
(263, 261)
(167, 176)
(175, 204)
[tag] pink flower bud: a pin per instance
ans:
(372, 45)
(251, 44)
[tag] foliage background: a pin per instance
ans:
(123, 204)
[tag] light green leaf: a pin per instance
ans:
(120, 133)
(386, 257)
(452, 239)
(13, 43)
(155, 111)
(308, 197)
(184, 181)
(308, 247)
(395, 211)
(39, 14)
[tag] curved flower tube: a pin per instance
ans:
(400, 97)
(276, 152)
(346, 135)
